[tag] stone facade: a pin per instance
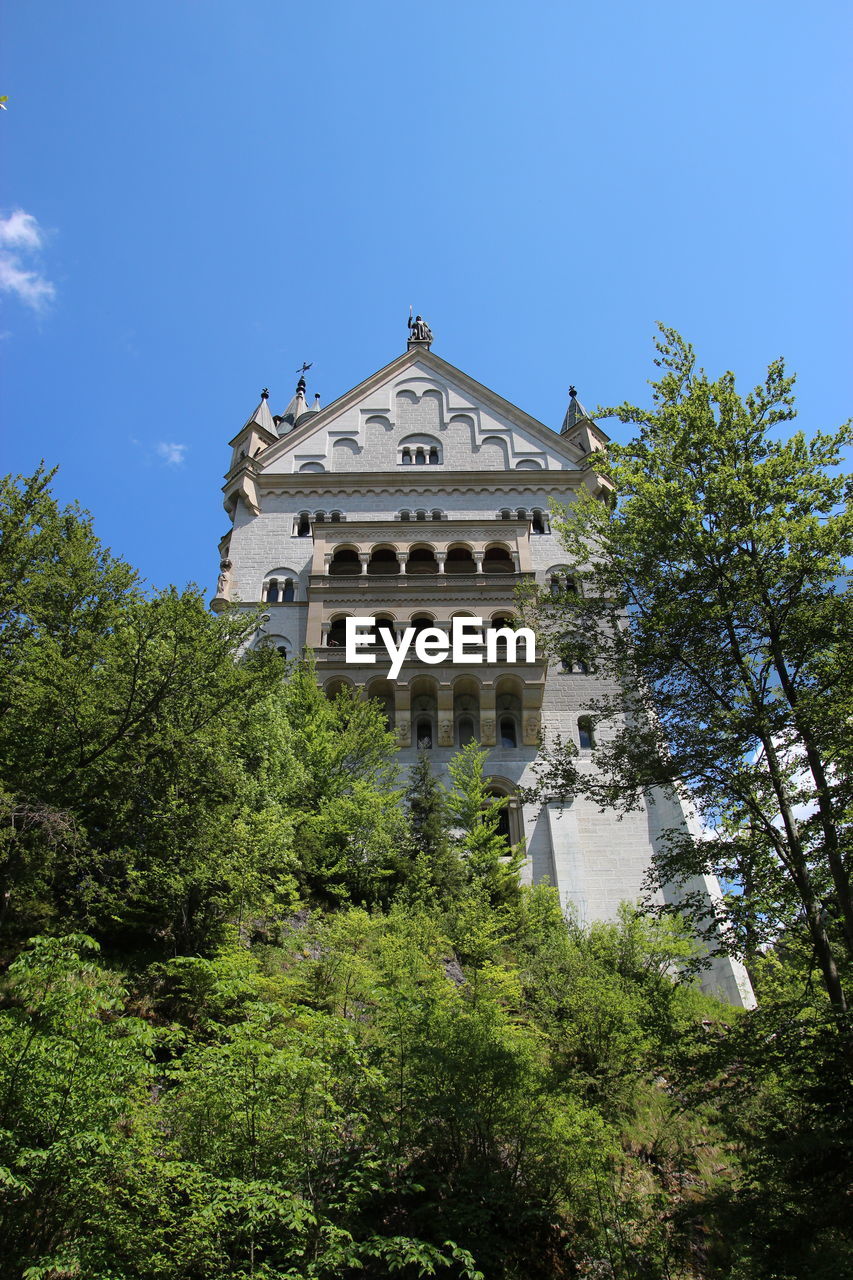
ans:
(417, 497)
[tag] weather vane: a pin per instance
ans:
(305, 367)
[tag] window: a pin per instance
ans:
(537, 523)
(497, 560)
(303, 525)
(289, 591)
(433, 456)
(423, 735)
(405, 515)
(586, 739)
(345, 563)
(437, 515)
(335, 517)
(420, 457)
(466, 730)
(406, 457)
(282, 651)
(272, 592)
(509, 736)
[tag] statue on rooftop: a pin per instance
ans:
(419, 330)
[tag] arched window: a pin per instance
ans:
(288, 593)
(272, 592)
(335, 517)
(437, 515)
(586, 738)
(497, 560)
(433, 456)
(506, 514)
(345, 563)
(420, 457)
(509, 735)
(383, 560)
(459, 560)
(319, 517)
(537, 523)
(303, 525)
(421, 622)
(336, 639)
(466, 710)
(424, 712)
(406, 457)
(420, 515)
(282, 651)
(422, 560)
(405, 515)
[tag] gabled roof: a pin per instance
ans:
(416, 355)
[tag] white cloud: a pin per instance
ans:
(172, 454)
(21, 231)
(20, 238)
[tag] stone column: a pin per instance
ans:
(403, 715)
(516, 560)
(325, 628)
(444, 705)
(402, 560)
(364, 556)
(487, 716)
(440, 557)
(478, 560)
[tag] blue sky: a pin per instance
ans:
(199, 196)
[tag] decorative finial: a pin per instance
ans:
(265, 394)
(419, 330)
(573, 392)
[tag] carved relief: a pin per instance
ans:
(445, 734)
(404, 732)
(531, 730)
(487, 728)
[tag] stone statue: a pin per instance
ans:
(419, 329)
(224, 575)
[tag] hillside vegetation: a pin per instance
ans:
(265, 1016)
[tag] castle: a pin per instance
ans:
(420, 498)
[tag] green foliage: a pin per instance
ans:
(726, 559)
(333, 1036)
(436, 873)
(474, 814)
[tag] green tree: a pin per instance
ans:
(128, 806)
(716, 596)
(437, 872)
(491, 864)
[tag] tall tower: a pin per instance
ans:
(420, 497)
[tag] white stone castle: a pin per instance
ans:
(417, 498)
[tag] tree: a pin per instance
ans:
(490, 863)
(129, 806)
(715, 597)
(436, 869)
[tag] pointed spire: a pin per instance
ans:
(262, 416)
(575, 414)
(294, 410)
(315, 407)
